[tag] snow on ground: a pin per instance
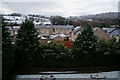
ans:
(112, 74)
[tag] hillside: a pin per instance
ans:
(103, 16)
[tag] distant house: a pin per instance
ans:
(101, 34)
(74, 33)
(14, 19)
(116, 33)
(107, 33)
(63, 29)
(43, 30)
(42, 21)
(47, 30)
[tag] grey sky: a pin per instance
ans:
(63, 7)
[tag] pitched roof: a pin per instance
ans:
(62, 35)
(45, 23)
(41, 37)
(115, 32)
(54, 27)
(64, 27)
(54, 36)
(13, 27)
(42, 26)
(77, 29)
(108, 29)
(111, 31)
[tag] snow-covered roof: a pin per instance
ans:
(54, 36)
(41, 37)
(108, 29)
(62, 35)
(46, 23)
(19, 22)
(13, 17)
(14, 27)
(115, 32)
(76, 27)
(95, 28)
(7, 21)
(77, 32)
(47, 19)
(105, 29)
(8, 17)
(17, 17)
(36, 23)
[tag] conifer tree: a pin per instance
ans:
(7, 50)
(27, 44)
(85, 43)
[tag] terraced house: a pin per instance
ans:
(101, 33)
(46, 31)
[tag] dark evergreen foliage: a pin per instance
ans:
(54, 55)
(85, 44)
(27, 44)
(7, 50)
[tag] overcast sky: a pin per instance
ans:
(62, 7)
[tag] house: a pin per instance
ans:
(14, 19)
(43, 30)
(113, 32)
(47, 30)
(107, 33)
(42, 22)
(116, 33)
(63, 29)
(74, 33)
(101, 34)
